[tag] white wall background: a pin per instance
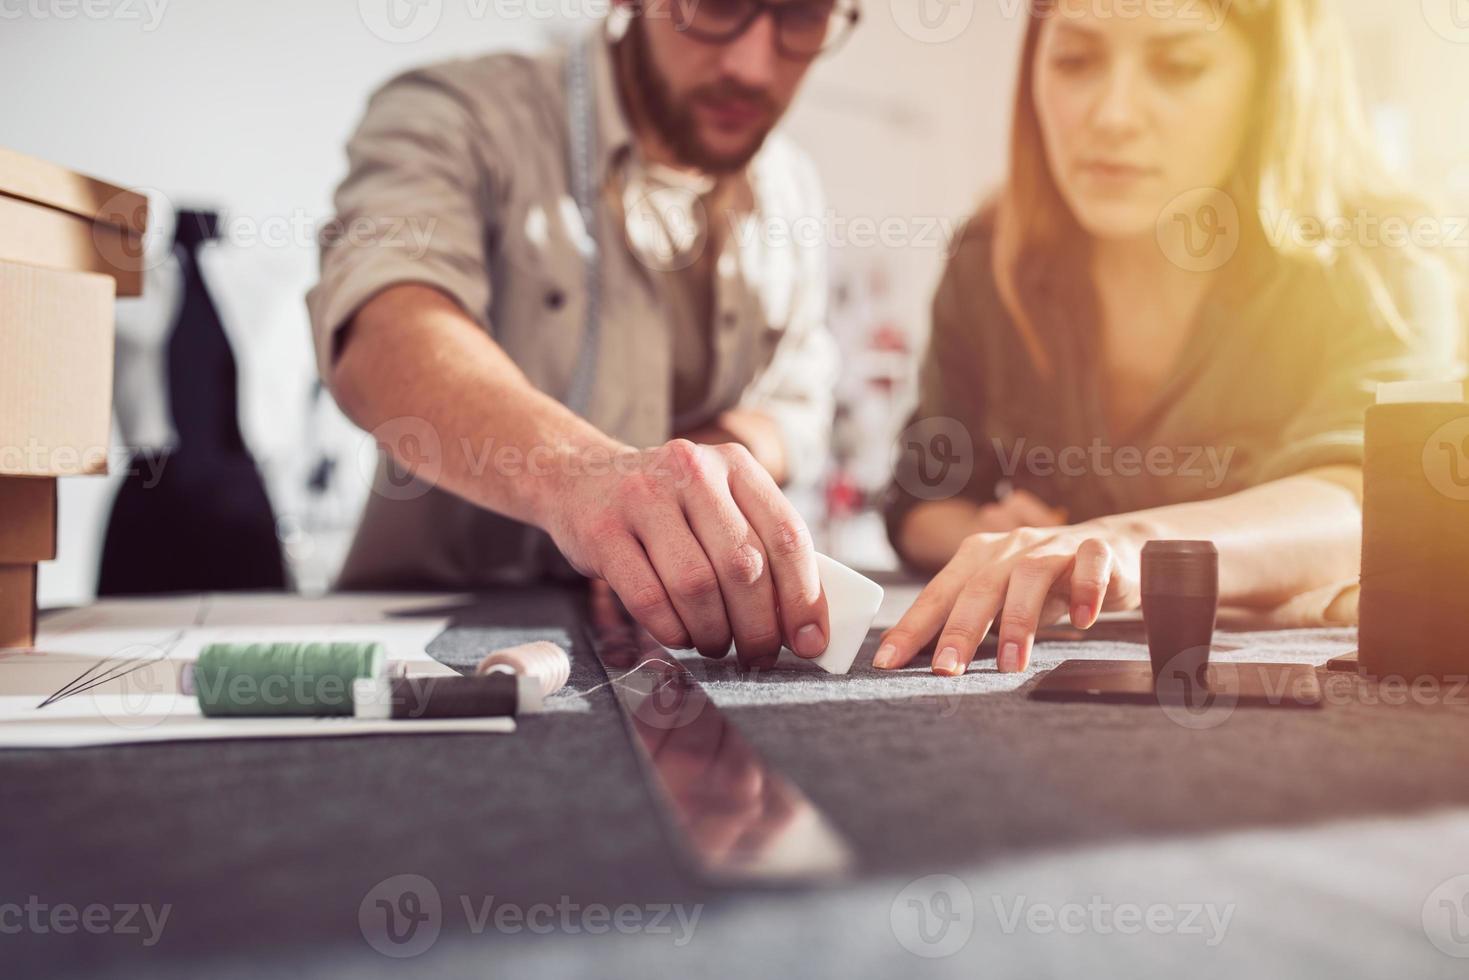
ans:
(245, 106)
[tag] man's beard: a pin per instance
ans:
(673, 119)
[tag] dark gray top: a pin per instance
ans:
(1273, 381)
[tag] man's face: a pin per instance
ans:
(712, 104)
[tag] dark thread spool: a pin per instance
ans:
(1180, 586)
(1414, 606)
(493, 695)
(496, 695)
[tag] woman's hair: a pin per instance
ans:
(1308, 154)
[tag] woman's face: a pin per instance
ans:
(1137, 108)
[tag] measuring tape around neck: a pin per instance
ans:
(581, 126)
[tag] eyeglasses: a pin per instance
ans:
(803, 28)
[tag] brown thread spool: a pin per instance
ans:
(1414, 607)
(545, 661)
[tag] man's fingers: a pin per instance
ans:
(1031, 581)
(918, 625)
(738, 559)
(687, 577)
(787, 542)
(627, 570)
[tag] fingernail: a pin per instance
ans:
(887, 655)
(947, 662)
(1010, 658)
(1080, 615)
(810, 641)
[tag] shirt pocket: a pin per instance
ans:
(538, 312)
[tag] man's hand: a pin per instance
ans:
(699, 544)
(756, 431)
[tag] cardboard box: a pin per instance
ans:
(27, 519)
(17, 606)
(51, 216)
(56, 340)
(43, 236)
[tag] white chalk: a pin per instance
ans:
(852, 602)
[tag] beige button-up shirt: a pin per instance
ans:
(458, 178)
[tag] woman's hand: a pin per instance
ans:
(1020, 508)
(1035, 575)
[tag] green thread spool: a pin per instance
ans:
(283, 679)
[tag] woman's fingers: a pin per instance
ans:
(1031, 582)
(971, 618)
(1025, 581)
(1090, 578)
(901, 644)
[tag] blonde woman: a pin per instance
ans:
(1168, 325)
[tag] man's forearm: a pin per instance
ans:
(412, 354)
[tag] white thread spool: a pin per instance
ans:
(544, 661)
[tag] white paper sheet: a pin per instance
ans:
(111, 719)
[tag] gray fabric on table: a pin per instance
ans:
(1326, 832)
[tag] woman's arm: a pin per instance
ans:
(1275, 541)
(930, 533)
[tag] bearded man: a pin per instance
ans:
(606, 352)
